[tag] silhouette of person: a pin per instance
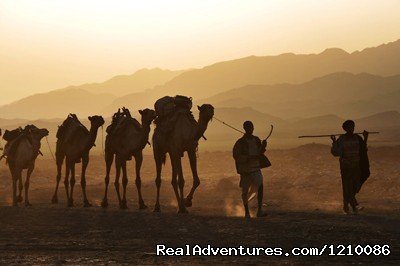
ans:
(248, 153)
(354, 164)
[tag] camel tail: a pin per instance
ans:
(163, 158)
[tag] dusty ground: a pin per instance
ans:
(302, 197)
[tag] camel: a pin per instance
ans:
(183, 137)
(74, 142)
(127, 140)
(23, 156)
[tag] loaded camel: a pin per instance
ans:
(21, 154)
(184, 136)
(126, 138)
(74, 142)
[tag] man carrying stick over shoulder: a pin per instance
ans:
(354, 164)
(248, 153)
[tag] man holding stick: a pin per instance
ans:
(248, 153)
(354, 164)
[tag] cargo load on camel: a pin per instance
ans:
(14, 137)
(168, 109)
(167, 105)
(120, 120)
(73, 124)
(10, 135)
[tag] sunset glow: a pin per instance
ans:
(52, 44)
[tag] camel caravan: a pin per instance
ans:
(176, 132)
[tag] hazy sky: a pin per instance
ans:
(50, 44)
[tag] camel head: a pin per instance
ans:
(206, 111)
(96, 120)
(148, 115)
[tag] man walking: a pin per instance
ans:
(248, 153)
(354, 164)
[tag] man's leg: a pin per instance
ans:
(345, 191)
(260, 195)
(355, 182)
(245, 190)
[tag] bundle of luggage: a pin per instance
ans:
(120, 119)
(10, 135)
(165, 106)
(168, 109)
(13, 138)
(71, 123)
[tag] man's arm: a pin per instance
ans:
(365, 135)
(336, 149)
(263, 146)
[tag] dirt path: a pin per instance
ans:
(57, 235)
(302, 196)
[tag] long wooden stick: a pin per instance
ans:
(323, 136)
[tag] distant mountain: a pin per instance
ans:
(139, 81)
(85, 99)
(385, 119)
(55, 104)
(344, 94)
(383, 60)
(324, 122)
(283, 69)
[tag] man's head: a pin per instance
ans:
(348, 126)
(248, 127)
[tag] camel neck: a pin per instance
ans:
(145, 134)
(92, 136)
(202, 127)
(36, 144)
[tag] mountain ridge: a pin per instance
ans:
(201, 84)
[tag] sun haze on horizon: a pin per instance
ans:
(52, 44)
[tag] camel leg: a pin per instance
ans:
(20, 187)
(66, 181)
(14, 183)
(85, 162)
(117, 174)
(59, 161)
(138, 181)
(109, 157)
(174, 181)
(181, 183)
(196, 179)
(158, 182)
(124, 184)
(15, 201)
(72, 183)
(28, 176)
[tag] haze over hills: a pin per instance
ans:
(383, 60)
(87, 98)
(285, 132)
(58, 103)
(305, 85)
(202, 83)
(344, 94)
(139, 81)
